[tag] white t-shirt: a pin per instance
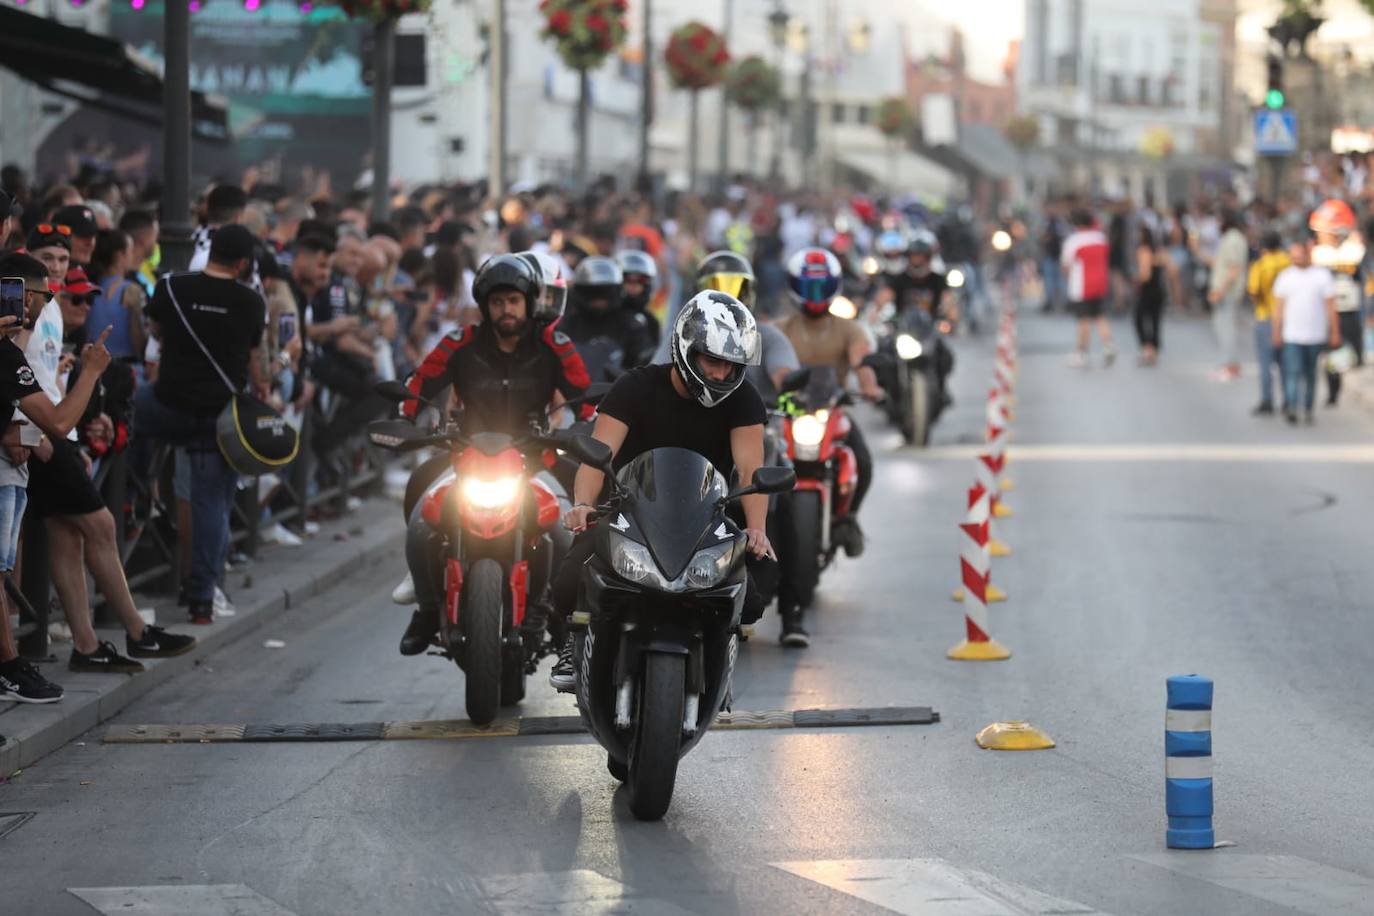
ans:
(44, 352)
(1304, 291)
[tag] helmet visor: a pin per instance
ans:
(816, 289)
(741, 286)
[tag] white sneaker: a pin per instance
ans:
(280, 534)
(405, 592)
(311, 528)
(1078, 360)
(222, 605)
(353, 504)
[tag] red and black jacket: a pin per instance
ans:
(500, 391)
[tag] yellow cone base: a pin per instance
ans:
(990, 651)
(997, 549)
(994, 594)
(1002, 511)
(1013, 736)
(1006, 484)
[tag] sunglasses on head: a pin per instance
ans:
(49, 229)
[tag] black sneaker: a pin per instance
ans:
(1291, 417)
(1308, 418)
(794, 635)
(21, 682)
(562, 678)
(1263, 410)
(201, 613)
(105, 659)
(158, 643)
(424, 623)
(850, 536)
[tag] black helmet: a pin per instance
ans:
(509, 271)
(633, 261)
(728, 272)
(718, 325)
(597, 279)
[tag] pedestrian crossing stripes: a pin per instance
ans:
(932, 887)
(1288, 881)
(1179, 453)
(180, 899)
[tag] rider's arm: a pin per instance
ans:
(860, 347)
(746, 446)
(587, 486)
(433, 373)
(572, 372)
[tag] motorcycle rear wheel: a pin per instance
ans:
(484, 612)
(806, 534)
(652, 773)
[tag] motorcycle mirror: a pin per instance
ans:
(795, 380)
(767, 480)
(589, 451)
(396, 435)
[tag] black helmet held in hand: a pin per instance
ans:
(728, 272)
(505, 271)
(597, 284)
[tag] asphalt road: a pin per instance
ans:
(1243, 556)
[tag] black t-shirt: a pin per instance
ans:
(925, 292)
(16, 381)
(228, 317)
(645, 400)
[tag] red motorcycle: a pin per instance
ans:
(815, 428)
(498, 520)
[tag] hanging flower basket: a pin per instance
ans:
(696, 56)
(584, 32)
(894, 118)
(753, 84)
(377, 10)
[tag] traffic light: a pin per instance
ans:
(1273, 97)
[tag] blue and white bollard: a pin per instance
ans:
(1188, 763)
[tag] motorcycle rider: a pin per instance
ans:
(606, 335)
(922, 286)
(823, 339)
(732, 273)
(702, 402)
(640, 273)
(504, 370)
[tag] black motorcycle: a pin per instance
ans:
(912, 367)
(656, 630)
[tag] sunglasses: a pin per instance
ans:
(81, 300)
(49, 229)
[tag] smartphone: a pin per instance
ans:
(286, 328)
(12, 297)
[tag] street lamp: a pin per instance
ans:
(777, 30)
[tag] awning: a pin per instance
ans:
(903, 172)
(97, 71)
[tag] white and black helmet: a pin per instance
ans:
(553, 285)
(717, 324)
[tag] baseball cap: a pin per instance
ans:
(231, 243)
(77, 217)
(46, 235)
(78, 284)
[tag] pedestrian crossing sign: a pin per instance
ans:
(1276, 132)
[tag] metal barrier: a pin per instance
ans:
(146, 522)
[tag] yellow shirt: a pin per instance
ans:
(1261, 282)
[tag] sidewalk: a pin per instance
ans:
(280, 579)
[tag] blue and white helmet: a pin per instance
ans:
(813, 279)
(718, 325)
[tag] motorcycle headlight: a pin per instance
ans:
(843, 307)
(631, 560)
(908, 347)
(1001, 240)
(809, 429)
(708, 567)
(871, 265)
(955, 278)
(490, 494)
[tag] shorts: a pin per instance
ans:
(59, 486)
(1088, 308)
(13, 498)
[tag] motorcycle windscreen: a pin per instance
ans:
(675, 494)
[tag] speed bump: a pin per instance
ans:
(738, 720)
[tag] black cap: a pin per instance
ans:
(78, 218)
(231, 243)
(39, 239)
(269, 267)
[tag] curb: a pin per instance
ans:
(32, 733)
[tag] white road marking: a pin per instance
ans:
(1200, 453)
(580, 891)
(180, 899)
(931, 887)
(1288, 881)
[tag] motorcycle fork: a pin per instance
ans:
(628, 669)
(825, 509)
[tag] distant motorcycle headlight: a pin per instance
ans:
(491, 494)
(843, 307)
(708, 567)
(1001, 240)
(871, 265)
(955, 278)
(807, 432)
(908, 347)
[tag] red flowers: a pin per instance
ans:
(696, 56)
(584, 32)
(560, 22)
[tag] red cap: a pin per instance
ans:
(77, 284)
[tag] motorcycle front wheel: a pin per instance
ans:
(483, 612)
(806, 535)
(652, 772)
(916, 409)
